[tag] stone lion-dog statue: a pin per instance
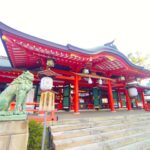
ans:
(18, 90)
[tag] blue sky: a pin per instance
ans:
(83, 23)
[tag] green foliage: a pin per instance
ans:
(140, 59)
(35, 135)
(136, 58)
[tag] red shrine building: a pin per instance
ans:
(98, 78)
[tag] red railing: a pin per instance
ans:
(51, 117)
(13, 104)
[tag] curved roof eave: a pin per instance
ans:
(69, 47)
(109, 50)
(8, 29)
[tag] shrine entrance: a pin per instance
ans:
(87, 79)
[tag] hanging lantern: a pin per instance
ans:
(90, 81)
(132, 92)
(122, 78)
(100, 81)
(50, 63)
(86, 71)
(46, 83)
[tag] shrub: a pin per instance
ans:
(35, 135)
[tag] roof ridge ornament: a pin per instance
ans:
(111, 44)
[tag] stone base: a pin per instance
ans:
(13, 135)
(13, 117)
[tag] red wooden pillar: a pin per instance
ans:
(76, 94)
(120, 100)
(128, 100)
(111, 100)
(143, 99)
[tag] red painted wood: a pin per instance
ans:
(111, 100)
(128, 100)
(108, 63)
(68, 73)
(64, 78)
(76, 94)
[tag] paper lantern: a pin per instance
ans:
(90, 81)
(122, 78)
(100, 81)
(132, 92)
(46, 83)
(86, 71)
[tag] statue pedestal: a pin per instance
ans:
(13, 135)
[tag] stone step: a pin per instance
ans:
(95, 119)
(98, 130)
(94, 138)
(102, 144)
(142, 145)
(88, 120)
(68, 127)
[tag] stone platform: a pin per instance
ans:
(102, 130)
(13, 117)
(13, 135)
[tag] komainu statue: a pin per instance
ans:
(18, 90)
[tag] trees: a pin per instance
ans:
(140, 59)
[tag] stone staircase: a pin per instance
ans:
(119, 132)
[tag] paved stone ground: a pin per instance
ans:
(63, 115)
(93, 113)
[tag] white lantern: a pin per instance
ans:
(90, 81)
(122, 78)
(132, 92)
(100, 81)
(46, 83)
(86, 71)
